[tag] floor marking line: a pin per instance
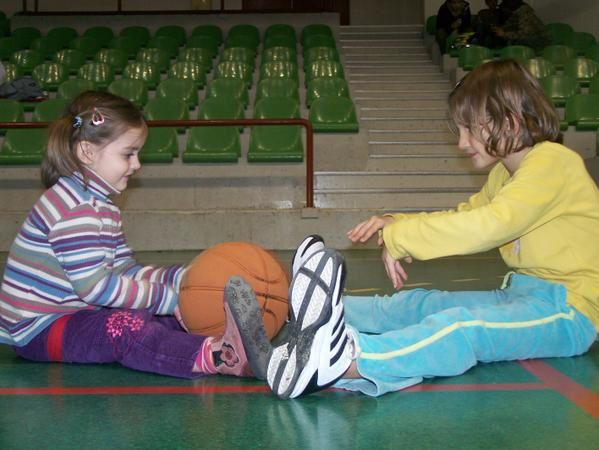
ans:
(558, 381)
(258, 389)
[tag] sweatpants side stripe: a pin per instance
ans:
(455, 326)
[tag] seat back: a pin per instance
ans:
(88, 46)
(326, 87)
(204, 41)
(582, 110)
(46, 46)
(63, 35)
(228, 87)
(277, 108)
(128, 44)
(245, 31)
(280, 41)
(220, 108)
(324, 68)
(188, 70)
(10, 111)
(155, 56)
(473, 55)
(539, 67)
(581, 69)
(139, 34)
(71, 59)
(558, 54)
(234, 69)
(100, 73)
(50, 110)
(277, 53)
(50, 75)
(559, 88)
(199, 55)
(213, 31)
(518, 52)
(183, 89)
(334, 114)
(27, 60)
(8, 46)
(279, 69)
(134, 90)
(580, 41)
(279, 29)
(167, 43)
(24, 36)
(177, 32)
(315, 29)
(146, 72)
(103, 35)
(560, 32)
(277, 87)
(70, 89)
(319, 40)
(114, 57)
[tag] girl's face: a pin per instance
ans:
(474, 149)
(117, 161)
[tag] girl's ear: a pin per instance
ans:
(86, 152)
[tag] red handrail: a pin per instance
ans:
(220, 123)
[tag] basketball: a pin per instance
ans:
(201, 299)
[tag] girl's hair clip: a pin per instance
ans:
(97, 118)
(77, 122)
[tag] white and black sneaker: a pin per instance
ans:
(316, 352)
(307, 248)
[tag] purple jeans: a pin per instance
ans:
(134, 338)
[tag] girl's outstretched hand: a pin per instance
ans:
(364, 230)
(394, 268)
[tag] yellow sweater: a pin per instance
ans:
(544, 219)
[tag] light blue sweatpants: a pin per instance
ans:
(420, 333)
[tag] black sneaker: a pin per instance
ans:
(316, 352)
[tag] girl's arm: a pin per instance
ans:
(88, 252)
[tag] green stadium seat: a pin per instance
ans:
(559, 88)
(71, 59)
(167, 43)
(88, 46)
(72, 88)
(148, 73)
(203, 41)
(128, 44)
(315, 29)
(280, 41)
(518, 52)
(592, 52)
(472, 56)
(213, 31)
(279, 69)
(160, 147)
(63, 35)
(114, 57)
(25, 36)
(324, 69)
(279, 29)
(247, 31)
(234, 69)
(140, 34)
(166, 108)
(280, 143)
(177, 32)
(241, 41)
(50, 110)
(333, 114)
(594, 85)
(101, 34)
(558, 54)
(188, 71)
(12, 71)
(10, 111)
(539, 67)
(319, 40)
(215, 144)
(326, 87)
(580, 41)
(23, 147)
(134, 90)
(239, 54)
(46, 46)
(559, 32)
(274, 54)
(228, 88)
(277, 108)
(199, 55)
(27, 60)
(155, 56)
(100, 73)
(8, 46)
(582, 111)
(277, 87)
(50, 75)
(317, 53)
(185, 90)
(431, 25)
(582, 69)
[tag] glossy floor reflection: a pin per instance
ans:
(549, 404)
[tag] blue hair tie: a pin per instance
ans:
(77, 122)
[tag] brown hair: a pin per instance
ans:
(80, 123)
(497, 96)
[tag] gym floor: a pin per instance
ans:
(548, 404)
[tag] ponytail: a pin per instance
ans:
(61, 158)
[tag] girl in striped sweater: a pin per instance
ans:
(72, 290)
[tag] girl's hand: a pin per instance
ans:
(394, 268)
(364, 230)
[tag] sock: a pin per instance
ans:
(204, 360)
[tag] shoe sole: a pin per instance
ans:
(313, 239)
(293, 364)
(246, 312)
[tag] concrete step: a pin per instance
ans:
(397, 100)
(413, 148)
(416, 136)
(377, 56)
(388, 84)
(367, 29)
(400, 198)
(416, 125)
(361, 90)
(413, 163)
(387, 66)
(395, 74)
(392, 49)
(403, 113)
(328, 181)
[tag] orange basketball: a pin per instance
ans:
(201, 300)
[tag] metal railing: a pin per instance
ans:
(221, 123)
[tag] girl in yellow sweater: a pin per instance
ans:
(539, 206)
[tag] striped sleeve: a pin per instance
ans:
(86, 242)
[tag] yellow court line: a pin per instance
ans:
(472, 323)
(465, 280)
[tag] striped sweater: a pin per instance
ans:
(71, 255)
